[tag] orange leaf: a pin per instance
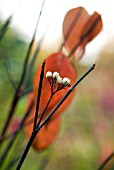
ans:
(92, 27)
(60, 63)
(79, 28)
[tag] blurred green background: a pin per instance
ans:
(86, 135)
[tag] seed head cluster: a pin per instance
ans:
(57, 82)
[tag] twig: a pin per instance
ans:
(104, 163)
(8, 147)
(30, 46)
(4, 27)
(32, 62)
(34, 133)
(64, 97)
(9, 117)
(24, 80)
(39, 95)
(6, 64)
(42, 115)
(25, 92)
(21, 86)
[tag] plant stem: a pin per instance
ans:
(7, 67)
(20, 88)
(42, 115)
(64, 97)
(4, 27)
(106, 161)
(9, 145)
(39, 95)
(12, 110)
(22, 83)
(35, 55)
(34, 133)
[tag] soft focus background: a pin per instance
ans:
(86, 136)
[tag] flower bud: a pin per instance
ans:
(66, 80)
(59, 79)
(55, 74)
(49, 74)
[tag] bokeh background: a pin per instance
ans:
(85, 137)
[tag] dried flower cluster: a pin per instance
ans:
(57, 82)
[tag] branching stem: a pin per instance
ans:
(36, 130)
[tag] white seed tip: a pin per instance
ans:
(66, 80)
(59, 79)
(55, 74)
(49, 74)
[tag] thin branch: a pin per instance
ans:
(39, 95)
(64, 97)
(4, 27)
(7, 67)
(105, 162)
(32, 62)
(10, 114)
(42, 115)
(22, 123)
(30, 48)
(8, 147)
(34, 133)
(21, 86)
(25, 92)
(27, 58)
